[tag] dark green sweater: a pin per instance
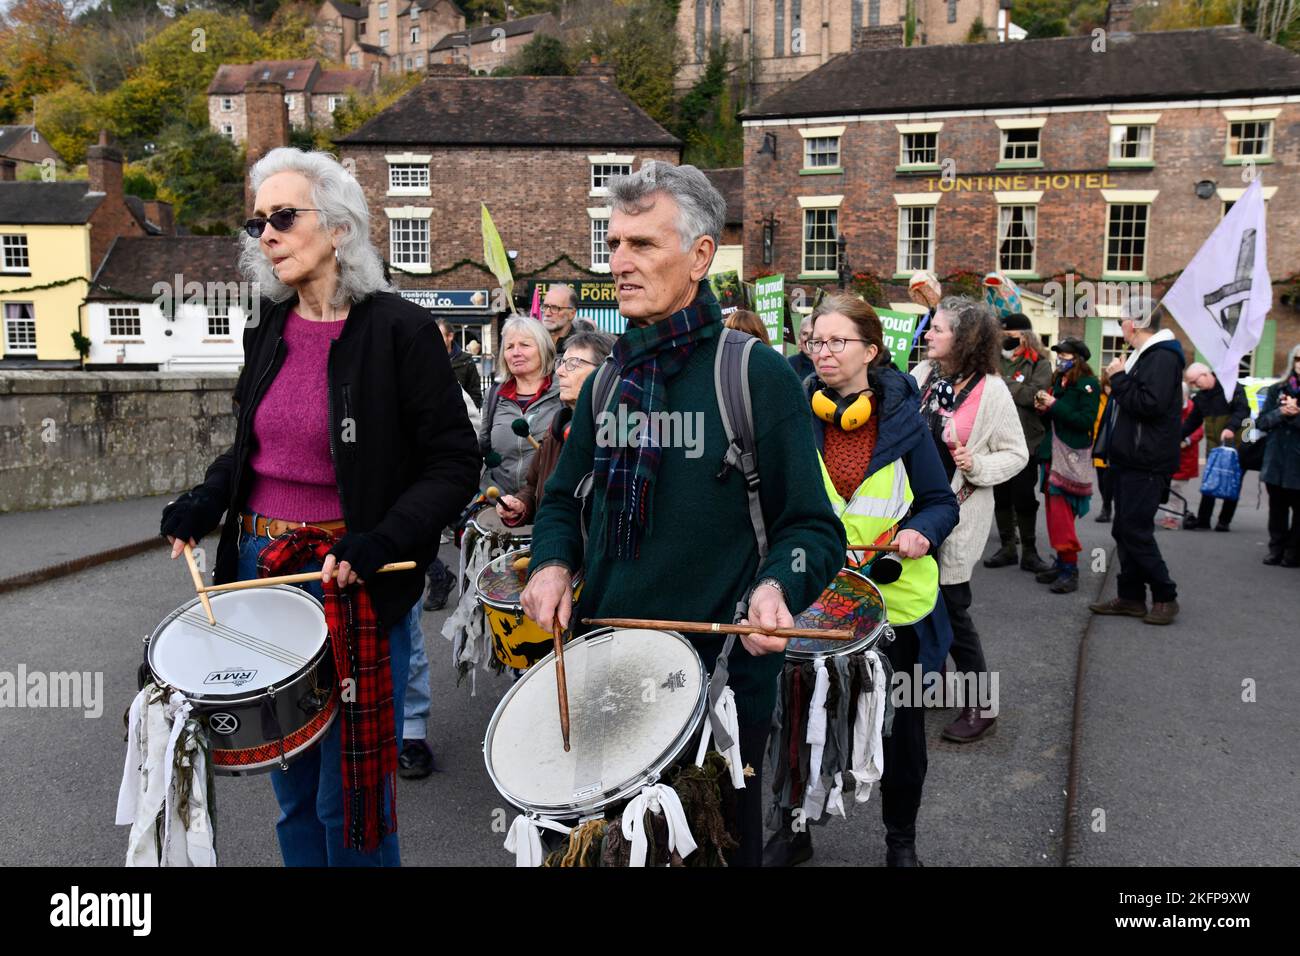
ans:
(1074, 414)
(699, 557)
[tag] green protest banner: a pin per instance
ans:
(899, 327)
(769, 303)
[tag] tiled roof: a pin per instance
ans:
(134, 264)
(55, 204)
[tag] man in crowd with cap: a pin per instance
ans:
(1027, 371)
(1222, 420)
(1146, 395)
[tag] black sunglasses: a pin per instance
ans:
(282, 219)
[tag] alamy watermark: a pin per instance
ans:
(1085, 299)
(624, 429)
(83, 690)
(219, 298)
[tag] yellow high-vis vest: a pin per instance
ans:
(871, 517)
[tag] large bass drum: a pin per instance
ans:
(262, 680)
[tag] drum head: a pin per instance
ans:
(489, 522)
(635, 699)
(499, 582)
(850, 602)
(263, 636)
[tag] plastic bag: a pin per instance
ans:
(1222, 478)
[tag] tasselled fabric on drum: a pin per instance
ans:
(465, 627)
(828, 725)
(165, 794)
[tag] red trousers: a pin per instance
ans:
(1060, 528)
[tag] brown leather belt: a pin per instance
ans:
(274, 527)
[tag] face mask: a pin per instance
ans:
(1065, 365)
(1010, 344)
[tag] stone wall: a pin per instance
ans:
(77, 437)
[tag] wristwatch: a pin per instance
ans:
(773, 582)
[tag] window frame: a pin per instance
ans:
(1239, 158)
(596, 215)
(902, 260)
(1031, 211)
(15, 244)
(227, 104)
(903, 149)
(412, 163)
(10, 348)
(126, 313)
(1108, 272)
(401, 221)
(219, 312)
(604, 160)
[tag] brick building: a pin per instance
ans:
(1037, 158)
(487, 47)
(26, 147)
(780, 41)
(311, 94)
(537, 150)
(385, 36)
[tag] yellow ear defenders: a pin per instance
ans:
(845, 413)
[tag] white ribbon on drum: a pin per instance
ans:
(659, 798)
(525, 838)
(814, 799)
(868, 748)
(726, 712)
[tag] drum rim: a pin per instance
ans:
(610, 795)
(517, 607)
(243, 696)
(506, 530)
(847, 648)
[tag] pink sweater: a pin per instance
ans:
(293, 471)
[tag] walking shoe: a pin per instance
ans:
(784, 848)
(1050, 575)
(1030, 561)
(415, 762)
(969, 726)
(1120, 606)
(1002, 557)
(1068, 581)
(1221, 527)
(1191, 524)
(436, 599)
(1104, 517)
(1162, 612)
(901, 856)
(1273, 559)
(1291, 562)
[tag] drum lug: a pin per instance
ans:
(887, 635)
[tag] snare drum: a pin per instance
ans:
(637, 701)
(817, 725)
(517, 640)
(487, 524)
(262, 680)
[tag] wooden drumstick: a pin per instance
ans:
(888, 548)
(301, 578)
(697, 627)
(561, 684)
(520, 427)
(198, 584)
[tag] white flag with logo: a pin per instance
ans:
(1224, 294)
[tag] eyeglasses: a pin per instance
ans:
(836, 345)
(552, 309)
(571, 364)
(282, 219)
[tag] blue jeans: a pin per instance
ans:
(415, 708)
(310, 792)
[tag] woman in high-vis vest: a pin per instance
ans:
(980, 440)
(883, 477)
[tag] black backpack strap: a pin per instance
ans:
(731, 382)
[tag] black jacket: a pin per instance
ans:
(1146, 431)
(1212, 404)
(465, 370)
(413, 460)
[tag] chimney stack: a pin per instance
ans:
(159, 213)
(268, 124)
(7, 170)
(104, 164)
(1119, 16)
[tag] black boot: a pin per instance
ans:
(1005, 555)
(786, 846)
(1029, 559)
(900, 846)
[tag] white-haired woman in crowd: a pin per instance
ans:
(351, 437)
(529, 392)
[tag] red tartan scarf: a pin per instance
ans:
(368, 747)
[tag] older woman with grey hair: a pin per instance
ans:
(352, 450)
(528, 394)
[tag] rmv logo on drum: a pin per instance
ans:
(236, 677)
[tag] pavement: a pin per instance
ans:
(1184, 770)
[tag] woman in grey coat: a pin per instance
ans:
(529, 392)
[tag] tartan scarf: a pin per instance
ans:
(368, 748)
(645, 359)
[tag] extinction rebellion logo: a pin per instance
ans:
(236, 677)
